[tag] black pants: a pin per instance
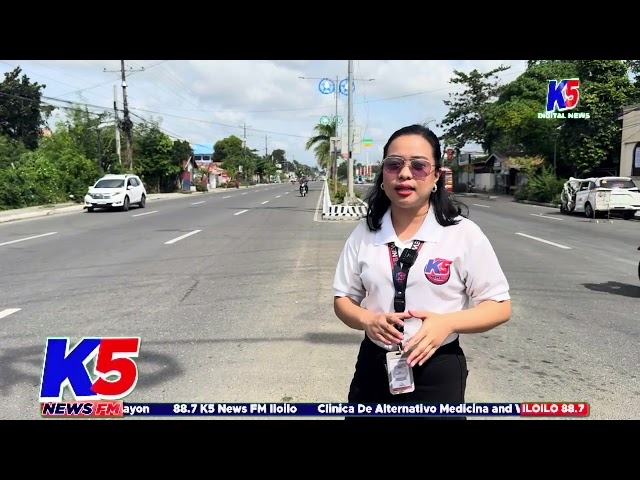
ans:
(442, 379)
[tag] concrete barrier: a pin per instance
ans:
(341, 212)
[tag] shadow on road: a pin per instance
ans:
(23, 366)
(16, 365)
(615, 288)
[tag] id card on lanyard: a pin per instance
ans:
(400, 374)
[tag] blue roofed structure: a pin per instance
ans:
(203, 153)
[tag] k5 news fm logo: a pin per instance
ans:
(68, 367)
(562, 98)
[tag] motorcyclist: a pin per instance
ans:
(304, 186)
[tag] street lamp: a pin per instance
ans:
(336, 92)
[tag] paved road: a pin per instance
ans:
(575, 331)
(240, 309)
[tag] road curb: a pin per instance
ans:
(540, 204)
(41, 213)
(482, 196)
(45, 212)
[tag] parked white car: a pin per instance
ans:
(600, 195)
(116, 191)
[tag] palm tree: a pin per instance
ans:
(322, 145)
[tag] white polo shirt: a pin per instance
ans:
(455, 269)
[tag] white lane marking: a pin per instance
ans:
(228, 196)
(198, 203)
(544, 216)
(145, 213)
(241, 211)
(478, 205)
(244, 193)
(318, 209)
(278, 196)
(27, 238)
(286, 193)
(8, 311)
(266, 201)
(544, 241)
(181, 237)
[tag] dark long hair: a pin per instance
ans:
(446, 209)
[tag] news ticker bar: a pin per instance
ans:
(125, 409)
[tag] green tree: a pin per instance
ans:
(230, 146)
(90, 135)
(321, 144)
(74, 171)
(233, 155)
(180, 152)
(22, 114)
(512, 121)
(604, 91)
(155, 156)
(466, 121)
(10, 152)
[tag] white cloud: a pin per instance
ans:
(205, 101)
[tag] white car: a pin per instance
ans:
(116, 191)
(597, 195)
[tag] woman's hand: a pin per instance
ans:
(434, 330)
(381, 327)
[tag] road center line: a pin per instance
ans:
(27, 238)
(266, 201)
(228, 196)
(241, 211)
(278, 196)
(484, 206)
(244, 193)
(544, 216)
(198, 203)
(8, 311)
(182, 237)
(145, 213)
(544, 241)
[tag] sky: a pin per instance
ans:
(203, 101)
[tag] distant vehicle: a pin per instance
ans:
(116, 191)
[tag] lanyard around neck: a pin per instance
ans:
(400, 265)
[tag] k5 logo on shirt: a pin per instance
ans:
(438, 270)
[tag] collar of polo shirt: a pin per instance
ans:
(429, 232)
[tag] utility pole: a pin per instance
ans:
(126, 124)
(244, 146)
(266, 153)
(335, 147)
(350, 194)
(117, 122)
